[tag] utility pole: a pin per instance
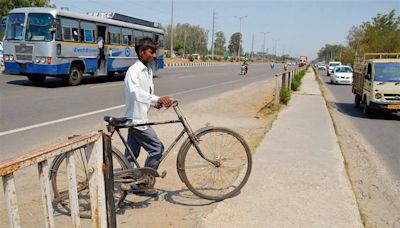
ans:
(172, 29)
(264, 47)
(276, 40)
(240, 33)
(184, 45)
(252, 47)
(212, 36)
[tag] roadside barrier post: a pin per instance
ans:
(109, 180)
(277, 90)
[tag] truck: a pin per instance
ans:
(303, 61)
(376, 82)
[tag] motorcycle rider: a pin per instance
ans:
(272, 64)
(245, 66)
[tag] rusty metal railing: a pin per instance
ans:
(94, 150)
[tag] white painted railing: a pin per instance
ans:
(94, 149)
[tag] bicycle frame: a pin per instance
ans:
(186, 129)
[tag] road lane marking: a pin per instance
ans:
(191, 76)
(105, 110)
(59, 120)
(102, 86)
(206, 87)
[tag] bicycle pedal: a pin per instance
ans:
(163, 174)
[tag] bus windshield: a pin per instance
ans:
(387, 72)
(15, 26)
(39, 27)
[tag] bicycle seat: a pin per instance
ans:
(118, 122)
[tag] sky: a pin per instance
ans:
(294, 27)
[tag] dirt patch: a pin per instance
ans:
(245, 110)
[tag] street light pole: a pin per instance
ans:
(240, 32)
(172, 28)
(264, 47)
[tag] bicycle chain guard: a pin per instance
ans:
(143, 177)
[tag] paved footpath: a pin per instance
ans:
(298, 177)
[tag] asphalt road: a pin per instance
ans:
(381, 131)
(31, 115)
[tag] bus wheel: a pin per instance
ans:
(111, 73)
(36, 78)
(74, 77)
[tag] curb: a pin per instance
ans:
(168, 65)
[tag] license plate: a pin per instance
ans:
(393, 106)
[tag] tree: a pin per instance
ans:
(196, 38)
(382, 34)
(234, 43)
(7, 5)
(219, 43)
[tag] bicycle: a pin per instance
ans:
(219, 153)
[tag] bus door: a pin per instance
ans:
(101, 56)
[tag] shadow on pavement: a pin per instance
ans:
(350, 110)
(52, 82)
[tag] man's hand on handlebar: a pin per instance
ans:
(165, 101)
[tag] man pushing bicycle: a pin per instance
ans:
(139, 97)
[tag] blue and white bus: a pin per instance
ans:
(42, 42)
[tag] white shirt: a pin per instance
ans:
(139, 93)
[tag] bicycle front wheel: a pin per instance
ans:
(231, 169)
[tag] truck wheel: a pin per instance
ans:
(366, 109)
(357, 100)
(36, 79)
(74, 77)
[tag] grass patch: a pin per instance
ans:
(296, 83)
(285, 95)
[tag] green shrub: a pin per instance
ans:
(295, 84)
(191, 58)
(203, 58)
(285, 95)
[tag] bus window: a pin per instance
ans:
(148, 34)
(38, 27)
(137, 36)
(114, 34)
(58, 30)
(88, 31)
(160, 40)
(126, 36)
(70, 31)
(15, 26)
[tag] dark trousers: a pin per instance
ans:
(147, 139)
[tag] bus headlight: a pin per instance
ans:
(6, 58)
(11, 58)
(37, 60)
(378, 96)
(43, 60)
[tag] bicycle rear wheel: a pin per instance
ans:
(221, 181)
(59, 181)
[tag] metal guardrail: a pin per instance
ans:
(284, 80)
(93, 144)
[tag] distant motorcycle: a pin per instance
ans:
(243, 70)
(272, 65)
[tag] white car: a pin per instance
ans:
(321, 67)
(342, 75)
(332, 66)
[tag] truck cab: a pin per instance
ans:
(377, 84)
